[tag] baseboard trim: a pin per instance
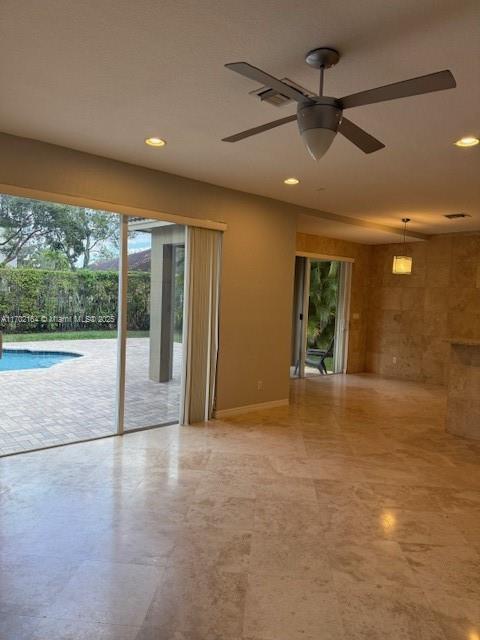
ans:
(236, 411)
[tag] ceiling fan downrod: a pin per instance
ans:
(320, 89)
(322, 58)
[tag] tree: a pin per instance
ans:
(100, 231)
(322, 309)
(66, 236)
(29, 229)
(45, 258)
(23, 222)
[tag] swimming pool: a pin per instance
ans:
(19, 359)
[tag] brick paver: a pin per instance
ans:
(75, 399)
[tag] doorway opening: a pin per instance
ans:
(91, 323)
(320, 316)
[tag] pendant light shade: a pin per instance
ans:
(403, 265)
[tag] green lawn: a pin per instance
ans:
(314, 360)
(68, 335)
(329, 364)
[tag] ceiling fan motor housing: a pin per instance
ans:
(318, 124)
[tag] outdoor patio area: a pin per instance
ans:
(75, 399)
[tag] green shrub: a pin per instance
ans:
(36, 300)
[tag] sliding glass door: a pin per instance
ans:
(320, 317)
(91, 323)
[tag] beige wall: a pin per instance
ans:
(258, 258)
(411, 316)
(406, 317)
(358, 304)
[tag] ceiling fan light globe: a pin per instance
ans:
(318, 141)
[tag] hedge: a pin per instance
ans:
(45, 300)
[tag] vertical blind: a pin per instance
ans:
(202, 284)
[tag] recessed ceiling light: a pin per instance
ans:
(467, 141)
(291, 181)
(155, 142)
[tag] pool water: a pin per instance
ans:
(18, 359)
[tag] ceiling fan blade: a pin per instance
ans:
(259, 129)
(413, 87)
(247, 70)
(359, 137)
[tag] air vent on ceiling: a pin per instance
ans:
(278, 99)
(456, 216)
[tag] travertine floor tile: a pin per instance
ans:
(28, 583)
(352, 524)
(15, 627)
(300, 489)
(396, 612)
(224, 513)
(408, 497)
(445, 570)
(467, 522)
(223, 549)
(349, 514)
(198, 599)
(297, 555)
(422, 527)
(372, 564)
(288, 517)
(458, 501)
(287, 608)
(111, 593)
(459, 617)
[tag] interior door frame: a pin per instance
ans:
(343, 305)
(342, 322)
(304, 319)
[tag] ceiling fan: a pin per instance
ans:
(320, 117)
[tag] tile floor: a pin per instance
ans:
(46, 407)
(350, 514)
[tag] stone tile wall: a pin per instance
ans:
(410, 317)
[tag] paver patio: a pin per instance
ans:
(75, 399)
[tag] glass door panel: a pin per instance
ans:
(58, 323)
(154, 351)
(323, 296)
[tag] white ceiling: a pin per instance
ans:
(101, 75)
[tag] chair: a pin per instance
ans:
(317, 357)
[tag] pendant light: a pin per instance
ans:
(402, 265)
